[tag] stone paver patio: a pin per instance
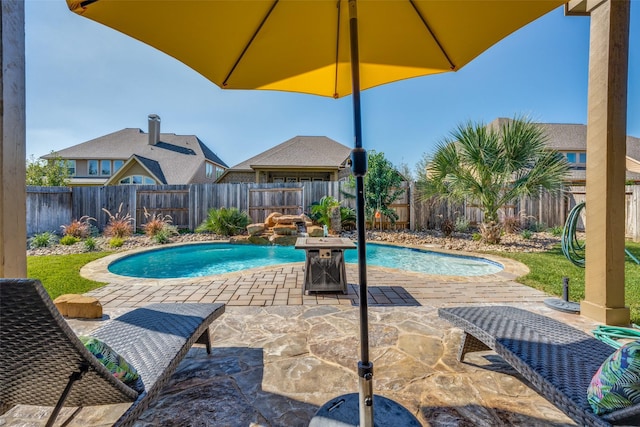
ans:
(279, 355)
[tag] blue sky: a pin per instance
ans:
(85, 80)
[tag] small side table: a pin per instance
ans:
(324, 268)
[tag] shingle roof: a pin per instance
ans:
(573, 137)
(177, 156)
(299, 152)
(153, 167)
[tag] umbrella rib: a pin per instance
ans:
(335, 80)
(424, 21)
(246, 47)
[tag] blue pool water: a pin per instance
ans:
(208, 259)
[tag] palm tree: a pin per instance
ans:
(493, 167)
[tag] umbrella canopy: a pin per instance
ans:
(303, 45)
(322, 47)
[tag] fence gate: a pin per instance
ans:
(172, 202)
(263, 201)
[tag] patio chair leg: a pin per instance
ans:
(470, 344)
(205, 339)
(75, 376)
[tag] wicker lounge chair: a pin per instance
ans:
(45, 363)
(557, 359)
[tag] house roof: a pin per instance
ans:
(153, 167)
(573, 137)
(176, 157)
(299, 152)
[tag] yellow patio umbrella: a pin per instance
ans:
(323, 47)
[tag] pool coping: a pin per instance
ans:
(98, 270)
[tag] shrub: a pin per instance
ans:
(462, 224)
(476, 237)
(511, 224)
(90, 244)
(347, 218)
(43, 240)
(225, 222)
(164, 234)
(447, 227)
(526, 234)
(155, 223)
(69, 240)
(116, 242)
(536, 226)
(119, 225)
(79, 228)
(557, 230)
(321, 211)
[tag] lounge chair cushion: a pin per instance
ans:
(110, 359)
(616, 384)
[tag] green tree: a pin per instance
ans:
(49, 173)
(382, 187)
(493, 167)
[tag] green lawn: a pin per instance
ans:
(60, 274)
(548, 269)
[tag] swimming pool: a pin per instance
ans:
(208, 259)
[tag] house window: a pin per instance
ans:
(117, 164)
(92, 167)
(571, 158)
(105, 167)
(70, 165)
(138, 180)
(219, 172)
(582, 158)
(209, 170)
(292, 179)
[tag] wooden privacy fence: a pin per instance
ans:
(50, 207)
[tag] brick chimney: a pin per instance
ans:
(154, 129)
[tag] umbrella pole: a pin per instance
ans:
(359, 167)
(341, 410)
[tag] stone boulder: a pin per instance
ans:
(285, 230)
(78, 306)
(259, 240)
(283, 240)
(315, 231)
(271, 219)
(291, 219)
(255, 228)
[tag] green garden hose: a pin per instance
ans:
(611, 334)
(571, 246)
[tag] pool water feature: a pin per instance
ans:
(208, 259)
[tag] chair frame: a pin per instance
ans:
(47, 365)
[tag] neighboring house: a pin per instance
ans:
(131, 156)
(300, 159)
(571, 141)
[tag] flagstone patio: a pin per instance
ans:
(279, 355)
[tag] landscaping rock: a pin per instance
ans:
(259, 240)
(271, 219)
(285, 230)
(256, 228)
(290, 219)
(315, 231)
(283, 240)
(78, 306)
